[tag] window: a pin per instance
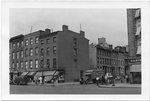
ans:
(31, 41)
(13, 65)
(54, 39)
(31, 64)
(22, 54)
(48, 40)
(74, 41)
(13, 55)
(26, 64)
(75, 63)
(54, 49)
(36, 51)
(22, 43)
(17, 55)
(18, 44)
(48, 50)
(37, 40)
(54, 63)
(31, 52)
(42, 51)
(36, 63)
(42, 42)
(48, 63)
(17, 65)
(14, 46)
(75, 52)
(26, 52)
(26, 42)
(21, 65)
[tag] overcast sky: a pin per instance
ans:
(97, 23)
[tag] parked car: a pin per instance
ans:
(19, 80)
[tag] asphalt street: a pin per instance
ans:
(71, 89)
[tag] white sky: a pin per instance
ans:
(97, 23)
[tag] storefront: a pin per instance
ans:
(135, 74)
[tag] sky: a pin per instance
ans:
(108, 23)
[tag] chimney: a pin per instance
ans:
(47, 31)
(65, 28)
(82, 33)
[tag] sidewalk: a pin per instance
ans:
(57, 84)
(117, 85)
(121, 85)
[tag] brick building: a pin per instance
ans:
(105, 57)
(134, 43)
(65, 52)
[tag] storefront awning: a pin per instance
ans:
(38, 74)
(31, 73)
(24, 73)
(135, 68)
(87, 73)
(45, 73)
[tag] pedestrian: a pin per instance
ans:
(106, 78)
(40, 78)
(36, 80)
(97, 80)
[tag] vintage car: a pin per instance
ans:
(19, 80)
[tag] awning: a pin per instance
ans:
(24, 73)
(38, 74)
(45, 73)
(31, 73)
(135, 68)
(48, 78)
(87, 73)
(139, 50)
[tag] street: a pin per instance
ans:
(72, 89)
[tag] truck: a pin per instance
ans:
(22, 79)
(89, 76)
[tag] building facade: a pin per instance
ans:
(134, 43)
(63, 51)
(107, 58)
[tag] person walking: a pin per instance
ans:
(97, 81)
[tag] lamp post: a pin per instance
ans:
(113, 82)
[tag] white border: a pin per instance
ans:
(109, 4)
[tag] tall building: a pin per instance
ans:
(134, 44)
(64, 53)
(106, 58)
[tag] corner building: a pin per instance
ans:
(63, 51)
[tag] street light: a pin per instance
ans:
(113, 83)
